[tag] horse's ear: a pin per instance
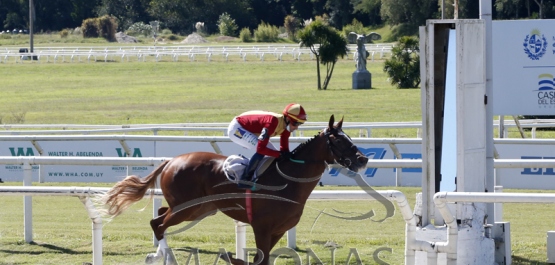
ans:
(340, 123)
(332, 120)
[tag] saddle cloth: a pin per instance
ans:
(235, 165)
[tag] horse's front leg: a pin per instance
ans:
(264, 243)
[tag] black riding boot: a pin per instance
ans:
(249, 170)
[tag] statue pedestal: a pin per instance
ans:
(362, 79)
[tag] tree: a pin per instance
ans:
(128, 12)
(407, 14)
(227, 25)
(330, 44)
(540, 5)
(291, 25)
(340, 12)
(403, 68)
(181, 16)
(370, 9)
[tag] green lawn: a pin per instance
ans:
(62, 232)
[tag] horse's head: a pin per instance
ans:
(344, 151)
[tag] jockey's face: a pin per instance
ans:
(292, 125)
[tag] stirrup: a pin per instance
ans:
(242, 182)
(243, 186)
(247, 177)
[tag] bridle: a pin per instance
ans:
(336, 151)
(339, 152)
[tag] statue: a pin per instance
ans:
(361, 40)
(199, 26)
(361, 77)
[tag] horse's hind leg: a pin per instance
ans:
(167, 219)
(157, 221)
(162, 245)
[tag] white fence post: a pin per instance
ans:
(240, 239)
(28, 202)
(96, 229)
(292, 238)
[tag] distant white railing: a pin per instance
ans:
(365, 128)
(173, 53)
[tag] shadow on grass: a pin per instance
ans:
(48, 249)
(524, 261)
(200, 251)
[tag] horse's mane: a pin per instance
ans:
(300, 147)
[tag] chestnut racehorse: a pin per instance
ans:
(195, 186)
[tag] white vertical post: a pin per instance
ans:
(41, 174)
(240, 239)
(550, 246)
(156, 204)
(486, 14)
(28, 203)
(97, 243)
(498, 217)
(96, 229)
(428, 121)
(292, 238)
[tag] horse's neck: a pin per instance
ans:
(314, 151)
(314, 155)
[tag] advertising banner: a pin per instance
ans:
(526, 178)
(17, 148)
(524, 67)
(78, 173)
(532, 178)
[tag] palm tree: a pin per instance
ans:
(327, 44)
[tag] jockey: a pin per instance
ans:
(253, 129)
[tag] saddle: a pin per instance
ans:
(235, 165)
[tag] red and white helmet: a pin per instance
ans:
(295, 112)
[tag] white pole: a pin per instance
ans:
(96, 229)
(498, 206)
(41, 174)
(97, 243)
(486, 14)
(156, 202)
(28, 203)
(292, 238)
(240, 239)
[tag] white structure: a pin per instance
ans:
(465, 232)
(463, 240)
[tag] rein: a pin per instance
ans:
(296, 179)
(301, 162)
(336, 151)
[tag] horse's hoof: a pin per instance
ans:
(225, 256)
(152, 258)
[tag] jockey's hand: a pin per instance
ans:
(285, 155)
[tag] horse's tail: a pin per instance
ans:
(128, 191)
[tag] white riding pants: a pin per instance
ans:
(244, 138)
